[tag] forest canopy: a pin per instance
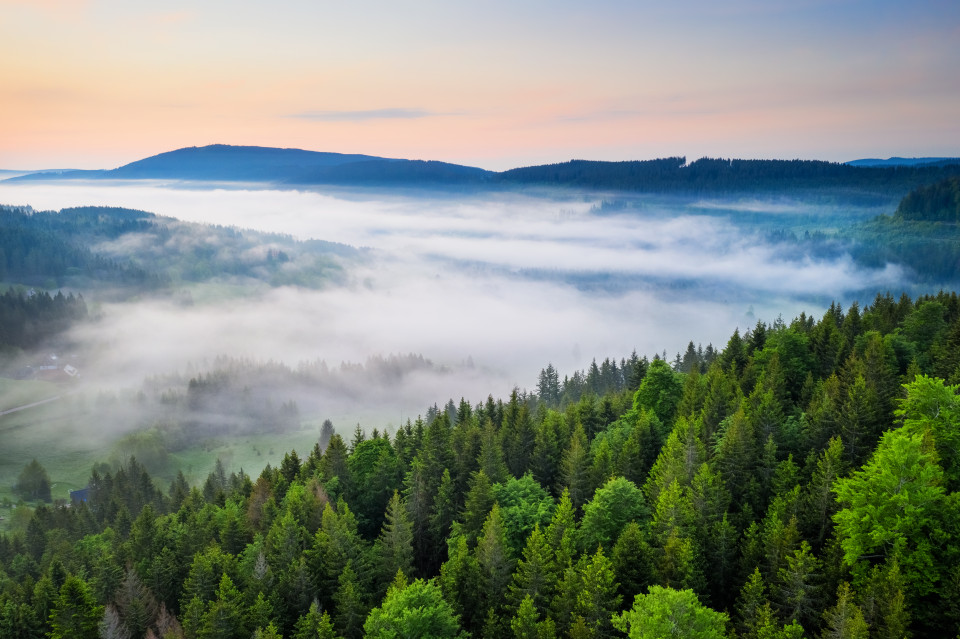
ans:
(801, 481)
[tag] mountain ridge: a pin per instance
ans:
(290, 167)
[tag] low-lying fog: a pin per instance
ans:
(506, 282)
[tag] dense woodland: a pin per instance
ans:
(923, 235)
(939, 202)
(801, 481)
(133, 252)
(727, 175)
(30, 319)
(48, 248)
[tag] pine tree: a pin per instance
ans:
(535, 575)
(750, 606)
(491, 459)
(526, 623)
(135, 604)
(335, 544)
(883, 603)
(819, 503)
(675, 563)
(442, 517)
(597, 599)
(575, 468)
(679, 459)
(545, 463)
(858, 421)
(797, 593)
(224, 617)
(493, 556)
(308, 625)
(394, 547)
(561, 533)
(477, 506)
(351, 608)
(418, 501)
(519, 435)
(461, 580)
(630, 561)
(845, 619)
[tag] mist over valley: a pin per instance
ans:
(513, 281)
(482, 290)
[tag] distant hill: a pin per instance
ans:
(726, 175)
(233, 163)
(895, 161)
(287, 167)
(217, 162)
(12, 173)
(224, 163)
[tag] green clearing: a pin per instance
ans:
(16, 392)
(251, 453)
(51, 434)
(69, 436)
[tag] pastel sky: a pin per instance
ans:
(497, 84)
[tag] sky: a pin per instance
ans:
(497, 84)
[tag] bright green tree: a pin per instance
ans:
(665, 612)
(660, 391)
(419, 610)
(524, 504)
(526, 623)
(932, 408)
(891, 508)
(614, 505)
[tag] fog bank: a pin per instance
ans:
(508, 282)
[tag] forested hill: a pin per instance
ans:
(712, 175)
(668, 175)
(896, 161)
(804, 481)
(131, 252)
(938, 202)
(923, 235)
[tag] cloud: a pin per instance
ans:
(362, 115)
